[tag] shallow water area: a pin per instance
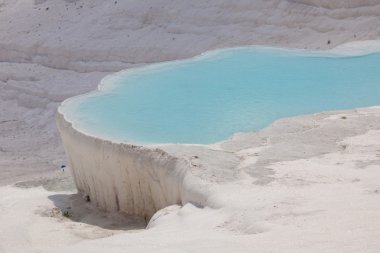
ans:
(209, 98)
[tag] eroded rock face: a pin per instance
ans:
(123, 177)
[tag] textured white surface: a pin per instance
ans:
(122, 177)
(307, 184)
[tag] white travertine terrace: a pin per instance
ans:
(124, 177)
(141, 180)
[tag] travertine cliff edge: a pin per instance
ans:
(123, 177)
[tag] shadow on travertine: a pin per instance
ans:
(78, 209)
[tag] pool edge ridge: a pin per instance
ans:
(134, 179)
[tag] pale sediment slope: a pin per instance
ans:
(54, 49)
(82, 35)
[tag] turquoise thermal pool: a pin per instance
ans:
(209, 98)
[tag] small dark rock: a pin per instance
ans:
(66, 214)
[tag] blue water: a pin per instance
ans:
(209, 98)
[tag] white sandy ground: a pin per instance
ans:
(30, 222)
(325, 201)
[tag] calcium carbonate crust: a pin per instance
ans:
(125, 177)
